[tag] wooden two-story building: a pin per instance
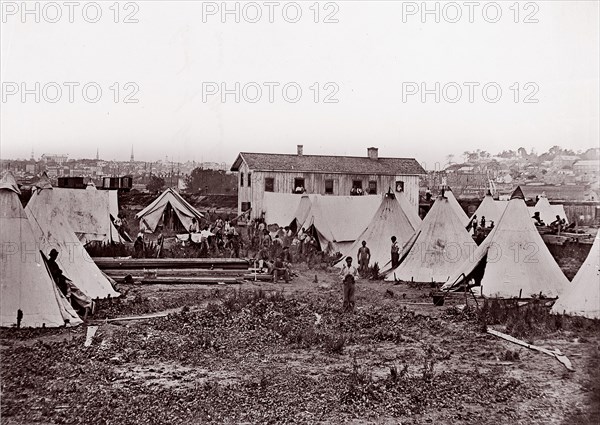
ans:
(322, 174)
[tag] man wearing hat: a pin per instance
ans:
(57, 274)
(349, 274)
(81, 302)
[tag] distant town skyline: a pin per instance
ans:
(457, 157)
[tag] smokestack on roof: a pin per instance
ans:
(300, 150)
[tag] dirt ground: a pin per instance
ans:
(285, 353)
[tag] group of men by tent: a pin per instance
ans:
(171, 213)
(512, 260)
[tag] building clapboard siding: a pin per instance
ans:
(321, 174)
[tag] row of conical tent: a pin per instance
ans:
(28, 294)
(493, 209)
(338, 221)
(513, 261)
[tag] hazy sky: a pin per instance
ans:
(178, 54)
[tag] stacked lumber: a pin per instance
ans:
(171, 263)
(205, 271)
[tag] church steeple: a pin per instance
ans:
(131, 159)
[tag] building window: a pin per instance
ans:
(373, 187)
(356, 188)
(246, 206)
(241, 179)
(249, 179)
(299, 185)
(329, 187)
(399, 186)
(269, 184)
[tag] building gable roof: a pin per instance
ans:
(328, 164)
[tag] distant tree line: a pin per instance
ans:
(205, 181)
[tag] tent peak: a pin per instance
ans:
(8, 182)
(517, 194)
(43, 182)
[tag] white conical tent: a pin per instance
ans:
(409, 209)
(52, 230)
(389, 220)
(582, 298)
(25, 283)
(547, 211)
(303, 210)
(152, 215)
(490, 209)
(462, 215)
(439, 245)
(339, 220)
(513, 260)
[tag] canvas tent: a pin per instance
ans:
(338, 220)
(513, 260)
(547, 211)
(389, 220)
(25, 283)
(169, 202)
(408, 209)
(52, 230)
(281, 208)
(113, 203)
(490, 209)
(462, 215)
(439, 244)
(87, 211)
(303, 210)
(582, 298)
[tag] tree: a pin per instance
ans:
(555, 150)
(493, 165)
(212, 181)
(155, 184)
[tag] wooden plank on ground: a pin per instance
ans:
(192, 280)
(144, 317)
(555, 353)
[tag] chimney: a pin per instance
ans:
(300, 150)
(372, 153)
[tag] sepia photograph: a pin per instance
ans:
(299, 212)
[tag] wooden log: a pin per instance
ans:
(259, 277)
(235, 278)
(176, 272)
(171, 263)
(192, 280)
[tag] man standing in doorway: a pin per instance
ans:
(395, 251)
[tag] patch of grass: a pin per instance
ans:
(334, 344)
(531, 320)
